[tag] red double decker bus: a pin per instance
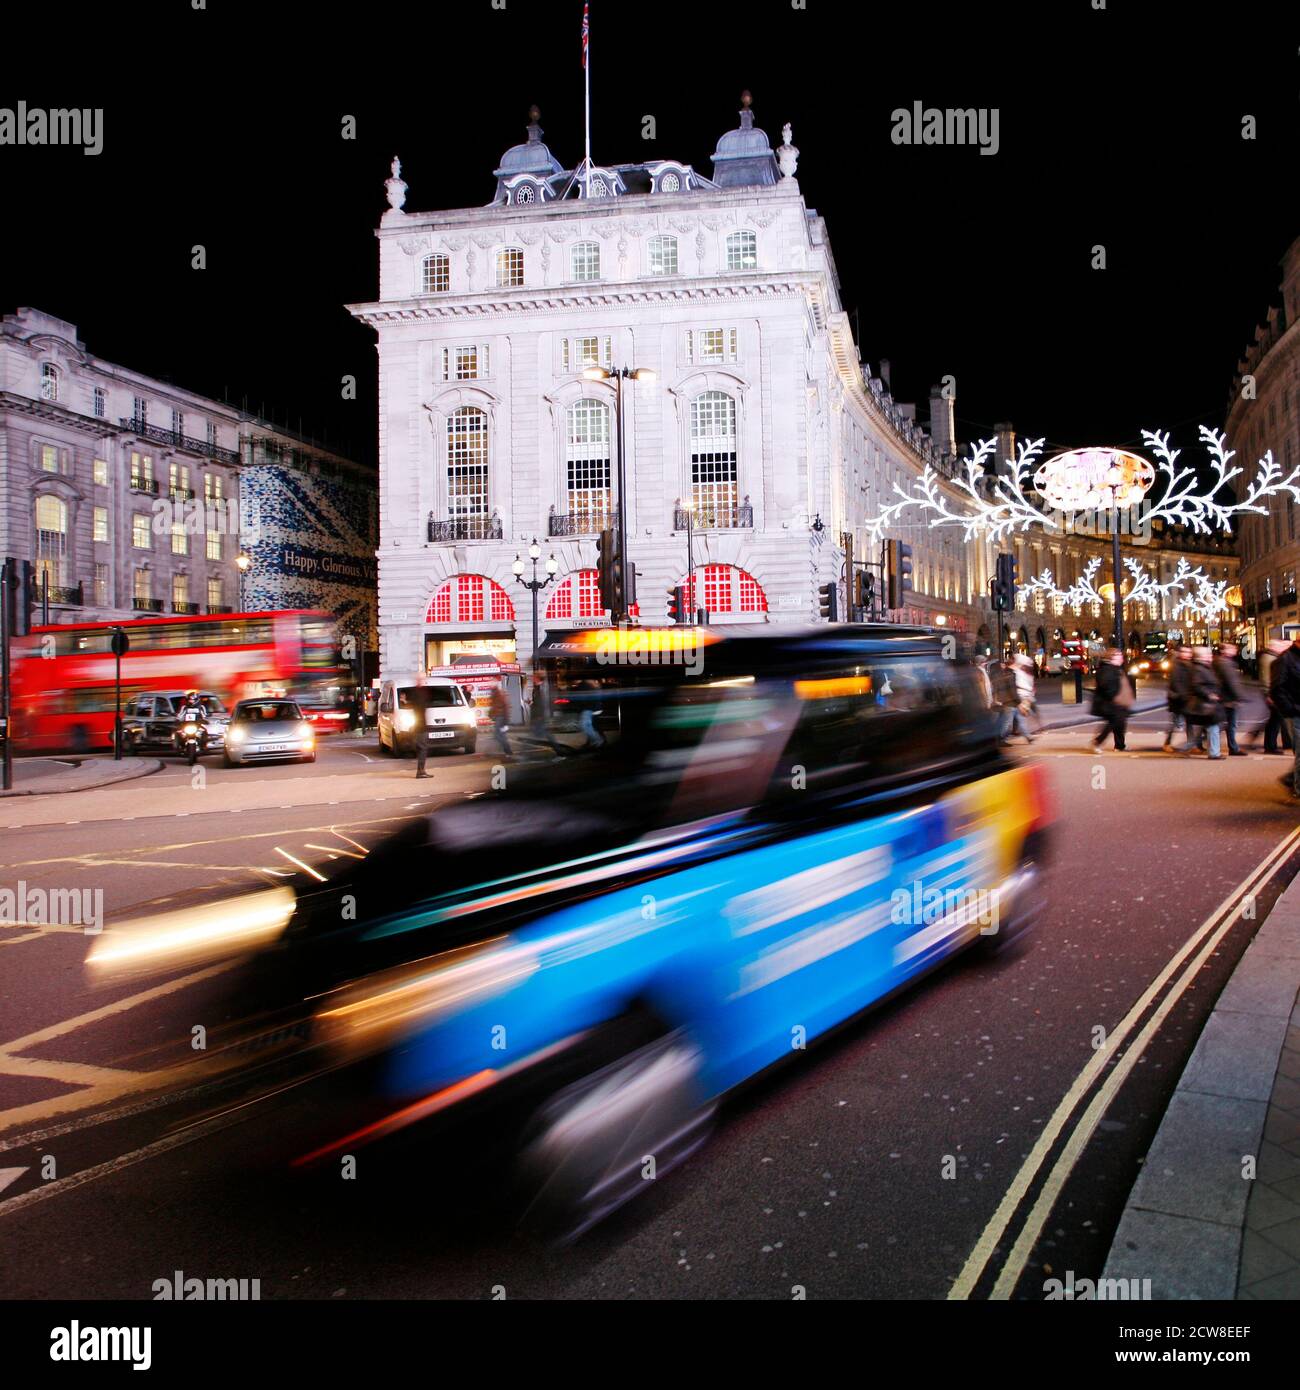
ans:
(64, 695)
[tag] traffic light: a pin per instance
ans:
(829, 598)
(866, 593)
(20, 595)
(677, 604)
(606, 569)
(1004, 584)
(898, 573)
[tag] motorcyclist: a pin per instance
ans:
(193, 710)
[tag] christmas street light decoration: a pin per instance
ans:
(1144, 589)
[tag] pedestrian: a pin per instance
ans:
(539, 724)
(1285, 689)
(1180, 684)
(1233, 692)
(418, 701)
(1274, 728)
(587, 714)
(499, 712)
(1003, 683)
(1205, 702)
(1026, 704)
(1112, 699)
(984, 683)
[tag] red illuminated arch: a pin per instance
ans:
(576, 596)
(470, 598)
(726, 589)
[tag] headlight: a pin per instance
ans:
(1133, 670)
(189, 729)
(406, 720)
(305, 733)
(236, 735)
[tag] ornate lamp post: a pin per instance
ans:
(619, 374)
(243, 563)
(535, 585)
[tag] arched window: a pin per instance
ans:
(510, 267)
(436, 276)
(52, 540)
(49, 382)
(470, 598)
(578, 596)
(726, 589)
(584, 261)
(467, 474)
(524, 193)
(663, 255)
(742, 251)
(670, 183)
(586, 448)
(713, 460)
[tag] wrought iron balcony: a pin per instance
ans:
(149, 485)
(181, 494)
(185, 607)
(581, 523)
(147, 605)
(220, 608)
(715, 518)
(61, 594)
(176, 440)
(465, 528)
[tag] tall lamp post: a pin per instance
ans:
(535, 586)
(243, 562)
(619, 374)
(689, 509)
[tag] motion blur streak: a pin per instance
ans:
(191, 936)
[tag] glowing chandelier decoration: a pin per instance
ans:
(992, 506)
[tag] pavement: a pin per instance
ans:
(1215, 1213)
(51, 776)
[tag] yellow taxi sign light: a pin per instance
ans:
(620, 641)
(832, 687)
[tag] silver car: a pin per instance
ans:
(268, 730)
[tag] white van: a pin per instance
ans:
(450, 716)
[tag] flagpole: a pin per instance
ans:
(586, 77)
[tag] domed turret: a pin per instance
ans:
(531, 158)
(744, 157)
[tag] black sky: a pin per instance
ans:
(1120, 127)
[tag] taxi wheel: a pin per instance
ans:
(1024, 912)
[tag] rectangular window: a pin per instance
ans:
(49, 382)
(49, 458)
(586, 261)
(180, 539)
(215, 599)
(214, 545)
(143, 586)
(178, 422)
(178, 479)
(141, 471)
(100, 403)
(510, 267)
(711, 345)
(212, 487)
(101, 585)
(465, 363)
(101, 472)
(212, 434)
(663, 255)
(180, 593)
(101, 523)
(139, 410)
(140, 531)
(436, 274)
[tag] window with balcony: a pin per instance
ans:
(509, 267)
(467, 473)
(180, 593)
(142, 472)
(178, 422)
(141, 531)
(140, 410)
(100, 532)
(51, 541)
(212, 435)
(587, 425)
(742, 251)
(705, 345)
(436, 274)
(49, 382)
(662, 251)
(584, 261)
(216, 593)
(178, 480)
(142, 588)
(713, 460)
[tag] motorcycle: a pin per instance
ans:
(191, 740)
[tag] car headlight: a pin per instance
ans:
(305, 733)
(236, 735)
(406, 720)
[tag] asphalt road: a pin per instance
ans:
(924, 1152)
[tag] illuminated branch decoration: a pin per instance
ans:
(1145, 589)
(993, 505)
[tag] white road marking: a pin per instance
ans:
(9, 1176)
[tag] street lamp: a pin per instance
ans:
(243, 563)
(619, 374)
(534, 584)
(689, 509)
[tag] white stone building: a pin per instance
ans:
(760, 414)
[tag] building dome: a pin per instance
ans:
(532, 157)
(744, 156)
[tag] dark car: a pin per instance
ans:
(150, 721)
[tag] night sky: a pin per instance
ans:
(1120, 127)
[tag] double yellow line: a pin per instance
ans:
(1207, 937)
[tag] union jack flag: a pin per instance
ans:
(586, 32)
